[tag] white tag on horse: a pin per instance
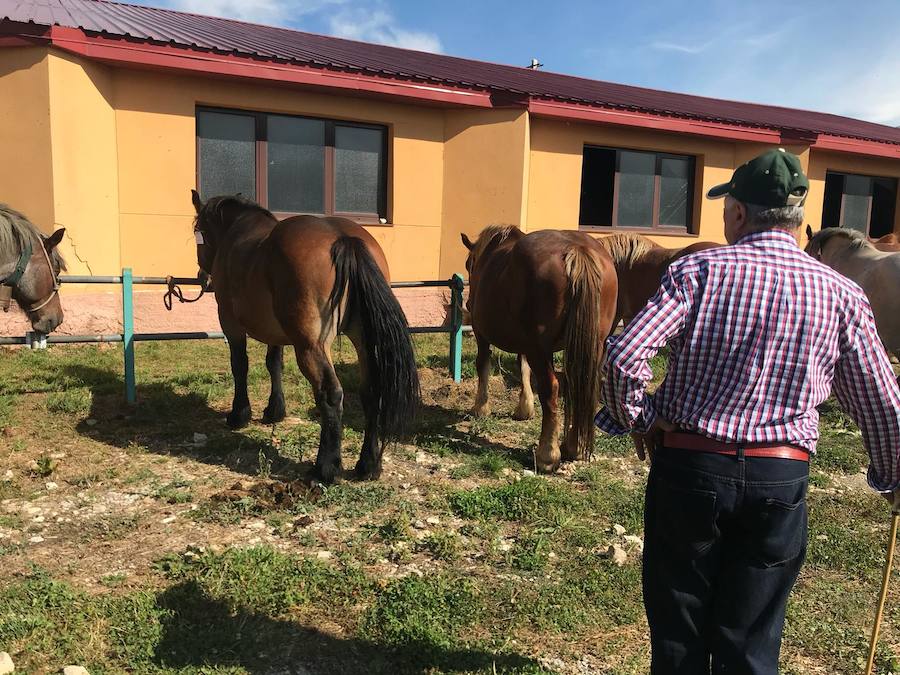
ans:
(198, 235)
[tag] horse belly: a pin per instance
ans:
(255, 314)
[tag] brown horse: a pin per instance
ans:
(534, 295)
(29, 270)
(299, 282)
(640, 264)
(889, 243)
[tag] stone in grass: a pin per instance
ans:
(6, 664)
(619, 530)
(75, 670)
(617, 554)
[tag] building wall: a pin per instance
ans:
(85, 180)
(485, 177)
(26, 172)
(556, 159)
(822, 161)
(155, 126)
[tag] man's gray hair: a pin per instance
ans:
(766, 218)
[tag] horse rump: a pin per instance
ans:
(583, 344)
(391, 376)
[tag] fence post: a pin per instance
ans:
(456, 322)
(128, 335)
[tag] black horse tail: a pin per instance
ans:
(392, 378)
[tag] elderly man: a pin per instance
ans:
(758, 333)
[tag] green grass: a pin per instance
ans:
(523, 575)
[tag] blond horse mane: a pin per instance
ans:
(855, 240)
(626, 248)
(489, 234)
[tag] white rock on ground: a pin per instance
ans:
(619, 530)
(6, 664)
(324, 555)
(618, 554)
(433, 520)
(75, 670)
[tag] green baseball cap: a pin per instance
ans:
(774, 179)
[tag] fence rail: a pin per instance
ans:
(128, 337)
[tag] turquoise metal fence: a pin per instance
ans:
(128, 337)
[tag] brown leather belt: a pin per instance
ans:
(688, 441)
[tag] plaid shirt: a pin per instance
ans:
(759, 332)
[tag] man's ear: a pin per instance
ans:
(466, 241)
(809, 232)
(195, 198)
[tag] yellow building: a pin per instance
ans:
(112, 113)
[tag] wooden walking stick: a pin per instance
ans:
(892, 542)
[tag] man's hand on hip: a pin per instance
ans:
(646, 444)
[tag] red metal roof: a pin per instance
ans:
(225, 36)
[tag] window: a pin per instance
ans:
(864, 203)
(294, 164)
(633, 189)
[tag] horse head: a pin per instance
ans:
(34, 265)
(827, 241)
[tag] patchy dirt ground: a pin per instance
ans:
(151, 539)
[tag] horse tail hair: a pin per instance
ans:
(583, 344)
(391, 376)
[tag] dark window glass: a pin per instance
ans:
(674, 184)
(637, 179)
(227, 154)
(863, 203)
(357, 169)
(598, 182)
(296, 164)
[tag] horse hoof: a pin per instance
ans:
(273, 416)
(523, 415)
(364, 470)
(238, 419)
(327, 473)
(481, 412)
(547, 467)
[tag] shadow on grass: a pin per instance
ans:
(164, 421)
(200, 632)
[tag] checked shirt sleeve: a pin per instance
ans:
(865, 386)
(628, 406)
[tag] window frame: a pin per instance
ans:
(655, 227)
(261, 142)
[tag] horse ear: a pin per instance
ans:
(809, 232)
(195, 198)
(53, 240)
(466, 241)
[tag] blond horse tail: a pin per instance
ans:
(584, 345)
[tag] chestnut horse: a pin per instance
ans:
(299, 282)
(640, 264)
(889, 243)
(534, 295)
(29, 270)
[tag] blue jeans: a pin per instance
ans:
(725, 538)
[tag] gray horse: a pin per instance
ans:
(29, 270)
(878, 273)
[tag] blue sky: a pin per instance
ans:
(835, 56)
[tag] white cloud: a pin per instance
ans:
(664, 46)
(379, 25)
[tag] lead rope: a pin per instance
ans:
(174, 290)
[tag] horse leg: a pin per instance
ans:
(548, 456)
(316, 367)
(275, 410)
(525, 409)
(240, 405)
(368, 467)
(483, 366)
